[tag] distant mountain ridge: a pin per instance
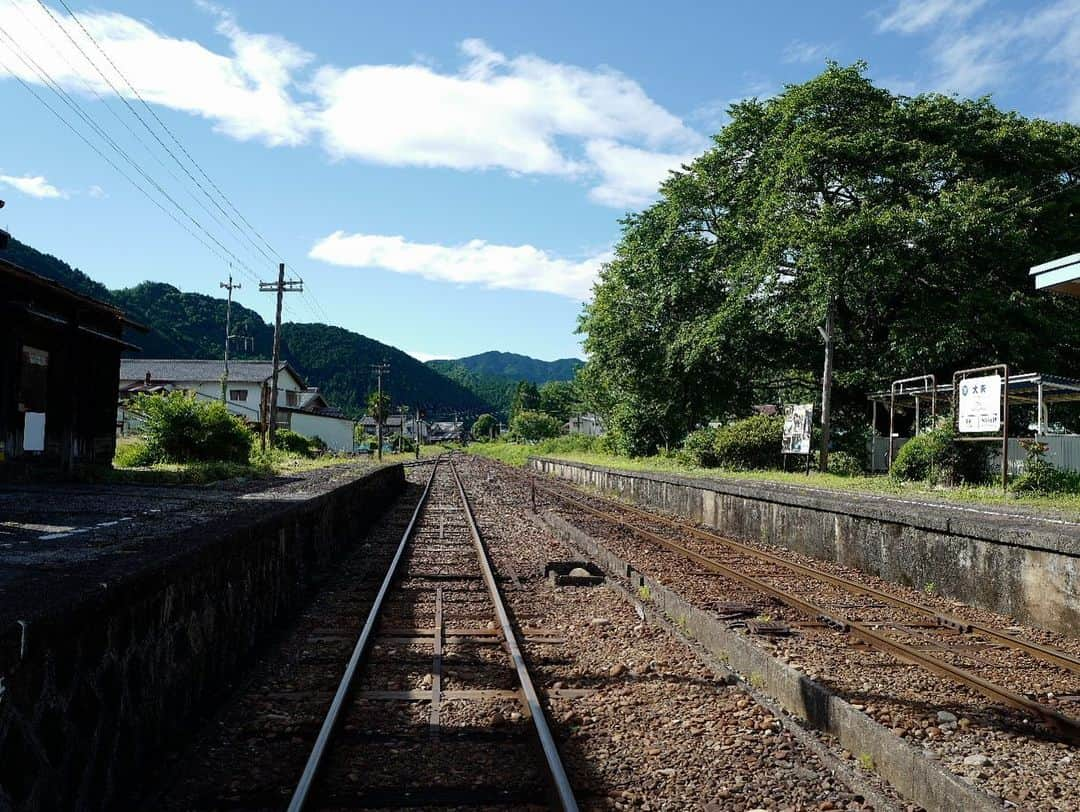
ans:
(192, 325)
(516, 367)
(493, 376)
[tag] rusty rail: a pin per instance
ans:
(1064, 726)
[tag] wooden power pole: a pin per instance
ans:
(280, 287)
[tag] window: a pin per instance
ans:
(33, 379)
(292, 398)
(238, 394)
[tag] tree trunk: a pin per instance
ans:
(826, 387)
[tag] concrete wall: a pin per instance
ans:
(336, 432)
(94, 686)
(1021, 565)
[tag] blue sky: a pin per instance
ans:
(446, 177)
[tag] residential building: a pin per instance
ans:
(396, 424)
(301, 408)
(59, 366)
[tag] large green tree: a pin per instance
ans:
(901, 228)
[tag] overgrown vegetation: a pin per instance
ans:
(534, 426)
(938, 457)
(180, 428)
(298, 444)
(907, 223)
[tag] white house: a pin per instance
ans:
(300, 408)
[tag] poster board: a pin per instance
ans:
(798, 423)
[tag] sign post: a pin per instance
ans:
(981, 405)
(798, 423)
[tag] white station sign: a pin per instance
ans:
(980, 404)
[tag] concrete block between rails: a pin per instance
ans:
(916, 777)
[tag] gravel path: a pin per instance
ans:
(992, 746)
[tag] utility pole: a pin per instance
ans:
(826, 384)
(401, 428)
(280, 287)
(416, 431)
(230, 286)
(379, 370)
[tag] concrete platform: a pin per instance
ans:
(124, 610)
(1015, 562)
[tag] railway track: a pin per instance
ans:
(990, 661)
(437, 662)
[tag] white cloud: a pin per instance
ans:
(629, 176)
(33, 185)
(521, 114)
(520, 267)
(910, 16)
(96, 192)
(246, 93)
(972, 57)
(806, 52)
(423, 357)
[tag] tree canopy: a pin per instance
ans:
(912, 219)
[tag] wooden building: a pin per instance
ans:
(59, 371)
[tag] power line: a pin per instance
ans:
(275, 254)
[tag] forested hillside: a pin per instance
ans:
(192, 325)
(494, 376)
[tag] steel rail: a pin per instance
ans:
(559, 779)
(318, 751)
(1063, 725)
(1056, 657)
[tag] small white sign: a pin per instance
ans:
(33, 431)
(980, 404)
(798, 422)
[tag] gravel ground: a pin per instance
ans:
(660, 730)
(991, 746)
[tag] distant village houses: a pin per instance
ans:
(396, 424)
(301, 408)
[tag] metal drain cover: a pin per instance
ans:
(770, 628)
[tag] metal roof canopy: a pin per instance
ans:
(1058, 275)
(1022, 388)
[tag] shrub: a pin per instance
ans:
(534, 426)
(750, 443)
(180, 428)
(402, 442)
(842, 463)
(937, 456)
(293, 443)
(485, 428)
(566, 444)
(132, 453)
(1040, 477)
(699, 448)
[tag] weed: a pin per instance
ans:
(866, 761)
(644, 593)
(757, 680)
(763, 618)
(929, 588)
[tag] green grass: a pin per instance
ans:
(1066, 504)
(262, 465)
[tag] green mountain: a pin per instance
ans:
(192, 325)
(516, 367)
(493, 376)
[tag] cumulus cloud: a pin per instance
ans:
(33, 185)
(245, 92)
(520, 114)
(477, 262)
(629, 176)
